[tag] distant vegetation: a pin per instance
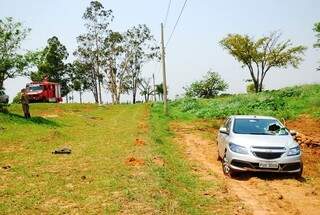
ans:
(104, 58)
(317, 30)
(208, 87)
(261, 55)
(114, 60)
(285, 103)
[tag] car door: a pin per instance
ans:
(223, 138)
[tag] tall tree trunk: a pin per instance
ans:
(118, 98)
(72, 96)
(134, 95)
(256, 87)
(134, 91)
(80, 95)
(100, 96)
(95, 87)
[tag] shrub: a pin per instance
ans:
(209, 87)
(17, 99)
(285, 103)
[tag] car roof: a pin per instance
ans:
(251, 117)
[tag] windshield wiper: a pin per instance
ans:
(256, 133)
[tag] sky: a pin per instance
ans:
(194, 48)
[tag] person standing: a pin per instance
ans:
(25, 103)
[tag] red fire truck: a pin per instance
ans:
(44, 91)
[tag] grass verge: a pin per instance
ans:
(184, 188)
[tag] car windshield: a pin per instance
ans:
(35, 88)
(259, 127)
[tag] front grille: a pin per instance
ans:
(269, 147)
(268, 155)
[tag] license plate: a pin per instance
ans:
(269, 165)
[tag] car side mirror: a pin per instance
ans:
(223, 130)
(293, 132)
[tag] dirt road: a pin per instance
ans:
(260, 193)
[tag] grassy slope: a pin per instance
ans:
(285, 103)
(96, 178)
(101, 139)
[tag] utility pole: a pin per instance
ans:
(154, 88)
(163, 59)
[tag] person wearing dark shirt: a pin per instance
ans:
(25, 103)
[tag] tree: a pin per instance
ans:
(142, 49)
(11, 36)
(84, 58)
(117, 64)
(80, 78)
(17, 98)
(91, 44)
(250, 87)
(261, 55)
(127, 53)
(145, 88)
(159, 91)
(317, 31)
(50, 65)
(209, 87)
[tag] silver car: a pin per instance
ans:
(4, 99)
(258, 143)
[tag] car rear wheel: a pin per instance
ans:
(226, 168)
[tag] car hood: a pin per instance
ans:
(263, 140)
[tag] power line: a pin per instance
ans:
(175, 26)
(167, 13)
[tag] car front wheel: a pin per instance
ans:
(299, 174)
(226, 168)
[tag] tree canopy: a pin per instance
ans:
(127, 53)
(260, 55)
(317, 30)
(208, 87)
(12, 63)
(91, 44)
(50, 64)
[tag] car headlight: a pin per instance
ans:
(294, 151)
(238, 149)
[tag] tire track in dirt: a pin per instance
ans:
(262, 194)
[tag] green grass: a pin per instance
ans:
(285, 103)
(93, 179)
(96, 178)
(175, 177)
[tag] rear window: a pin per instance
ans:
(259, 127)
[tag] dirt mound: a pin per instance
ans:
(132, 161)
(158, 161)
(139, 142)
(304, 140)
(308, 130)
